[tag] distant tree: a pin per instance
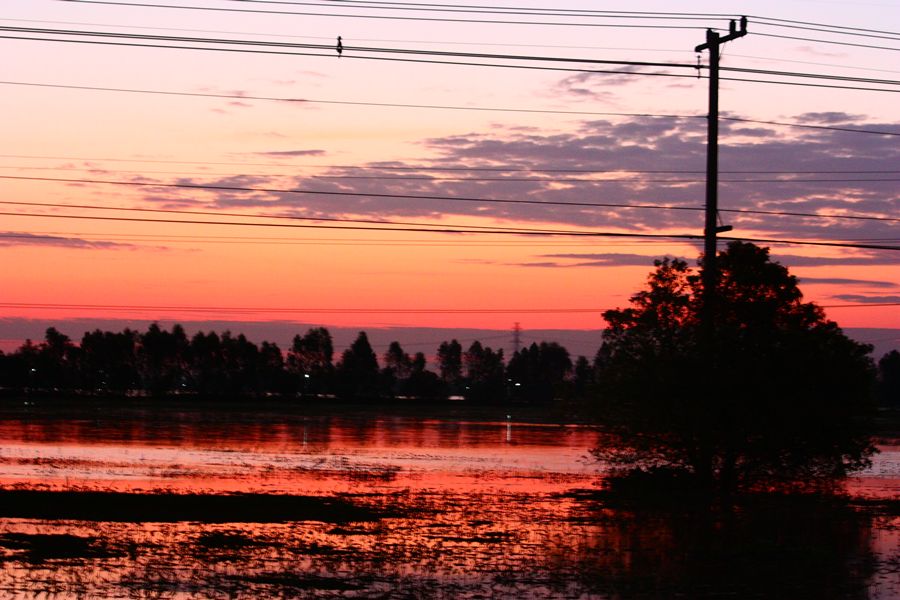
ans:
(22, 366)
(777, 394)
(485, 373)
(396, 371)
(422, 383)
(108, 361)
(310, 360)
(357, 371)
(205, 365)
(55, 367)
(889, 379)
(162, 359)
(583, 379)
(272, 376)
(240, 362)
(449, 357)
(537, 372)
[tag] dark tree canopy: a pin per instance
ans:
(889, 379)
(357, 371)
(485, 373)
(537, 371)
(773, 393)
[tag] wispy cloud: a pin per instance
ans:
(15, 238)
(289, 153)
(840, 281)
(865, 299)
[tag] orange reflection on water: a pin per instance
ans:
(494, 508)
(297, 455)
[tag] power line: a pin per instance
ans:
(808, 62)
(456, 230)
(440, 168)
(389, 196)
(475, 9)
(825, 76)
(821, 41)
(437, 53)
(317, 241)
(387, 227)
(332, 310)
(810, 126)
(824, 29)
(592, 180)
(506, 179)
(330, 48)
(433, 53)
(350, 103)
(279, 310)
(379, 17)
(434, 42)
(444, 107)
(347, 56)
(232, 188)
(259, 216)
(857, 88)
(794, 22)
(493, 9)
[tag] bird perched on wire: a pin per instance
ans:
(340, 47)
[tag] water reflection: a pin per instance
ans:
(512, 546)
(776, 547)
(463, 508)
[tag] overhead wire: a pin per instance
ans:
(318, 240)
(441, 53)
(246, 97)
(821, 41)
(234, 188)
(375, 17)
(422, 168)
(636, 177)
(348, 56)
(457, 230)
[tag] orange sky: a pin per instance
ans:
(53, 132)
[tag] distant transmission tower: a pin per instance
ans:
(517, 337)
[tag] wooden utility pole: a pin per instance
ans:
(710, 271)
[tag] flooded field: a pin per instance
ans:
(116, 503)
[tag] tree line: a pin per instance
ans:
(160, 362)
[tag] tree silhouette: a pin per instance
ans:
(108, 361)
(162, 359)
(310, 361)
(889, 379)
(272, 376)
(485, 373)
(449, 356)
(357, 371)
(537, 372)
(583, 378)
(777, 395)
(422, 383)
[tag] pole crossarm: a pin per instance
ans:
(733, 34)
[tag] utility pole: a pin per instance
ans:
(710, 273)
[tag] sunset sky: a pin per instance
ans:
(357, 124)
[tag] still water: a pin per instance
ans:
(453, 506)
